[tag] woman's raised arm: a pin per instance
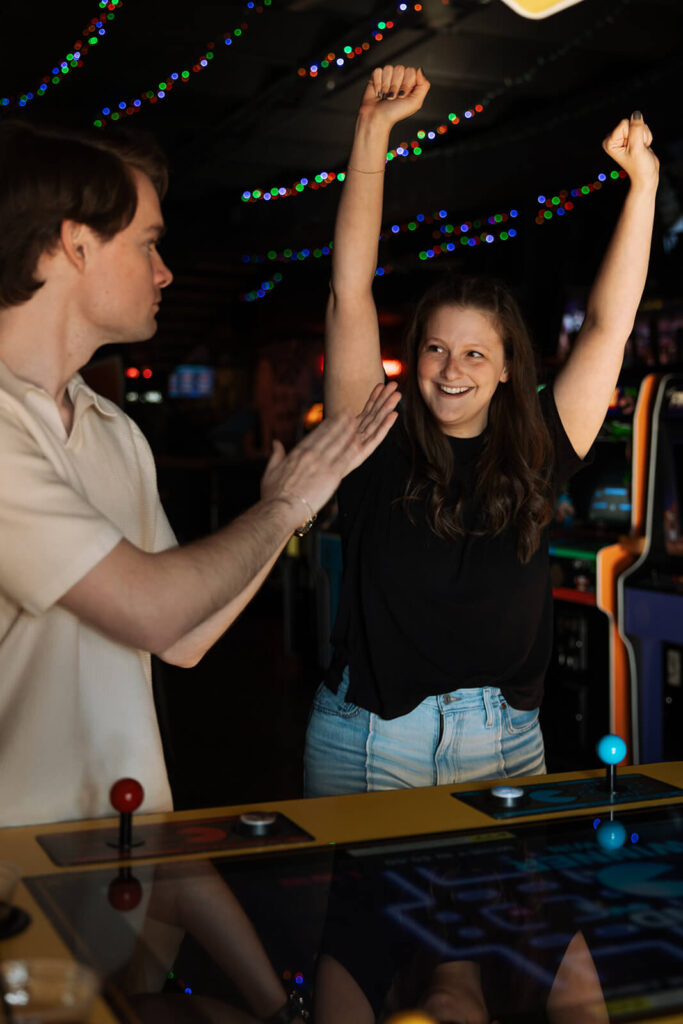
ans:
(353, 364)
(585, 385)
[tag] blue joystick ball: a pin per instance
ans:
(611, 835)
(611, 749)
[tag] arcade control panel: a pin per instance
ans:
(510, 801)
(264, 828)
(208, 835)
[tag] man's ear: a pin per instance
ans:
(76, 240)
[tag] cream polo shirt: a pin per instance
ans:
(76, 708)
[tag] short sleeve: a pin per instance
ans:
(566, 461)
(50, 535)
(164, 536)
(355, 487)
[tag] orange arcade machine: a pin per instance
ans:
(598, 533)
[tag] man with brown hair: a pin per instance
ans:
(91, 580)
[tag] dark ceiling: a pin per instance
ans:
(550, 90)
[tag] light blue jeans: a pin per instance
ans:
(463, 736)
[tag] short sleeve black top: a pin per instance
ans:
(420, 616)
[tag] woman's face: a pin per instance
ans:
(460, 363)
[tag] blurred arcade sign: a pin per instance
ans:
(539, 8)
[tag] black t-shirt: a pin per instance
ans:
(420, 616)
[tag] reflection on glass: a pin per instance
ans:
(553, 922)
(44, 990)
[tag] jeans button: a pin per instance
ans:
(503, 704)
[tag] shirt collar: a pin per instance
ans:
(81, 395)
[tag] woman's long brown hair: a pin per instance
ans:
(514, 466)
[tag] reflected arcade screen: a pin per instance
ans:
(505, 902)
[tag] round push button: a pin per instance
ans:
(507, 796)
(257, 823)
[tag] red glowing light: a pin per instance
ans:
(314, 416)
(132, 372)
(392, 367)
(146, 373)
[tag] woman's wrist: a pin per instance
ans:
(646, 187)
(372, 132)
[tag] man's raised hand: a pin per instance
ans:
(311, 472)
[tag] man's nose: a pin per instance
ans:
(164, 275)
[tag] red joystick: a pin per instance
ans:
(125, 891)
(126, 795)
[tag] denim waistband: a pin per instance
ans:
(467, 697)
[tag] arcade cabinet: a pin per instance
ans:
(651, 591)
(596, 535)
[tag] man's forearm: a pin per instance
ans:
(152, 601)
(192, 647)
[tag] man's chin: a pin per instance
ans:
(149, 331)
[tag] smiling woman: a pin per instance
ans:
(444, 628)
(461, 361)
(468, 335)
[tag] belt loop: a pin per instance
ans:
(488, 705)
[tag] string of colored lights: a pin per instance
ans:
(419, 220)
(126, 108)
(469, 233)
(333, 61)
(448, 228)
(424, 136)
(95, 31)
(486, 237)
(558, 205)
(264, 288)
(287, 255)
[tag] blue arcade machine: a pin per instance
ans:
(650, 597)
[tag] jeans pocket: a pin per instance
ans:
(328, 703)
(516, 720)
